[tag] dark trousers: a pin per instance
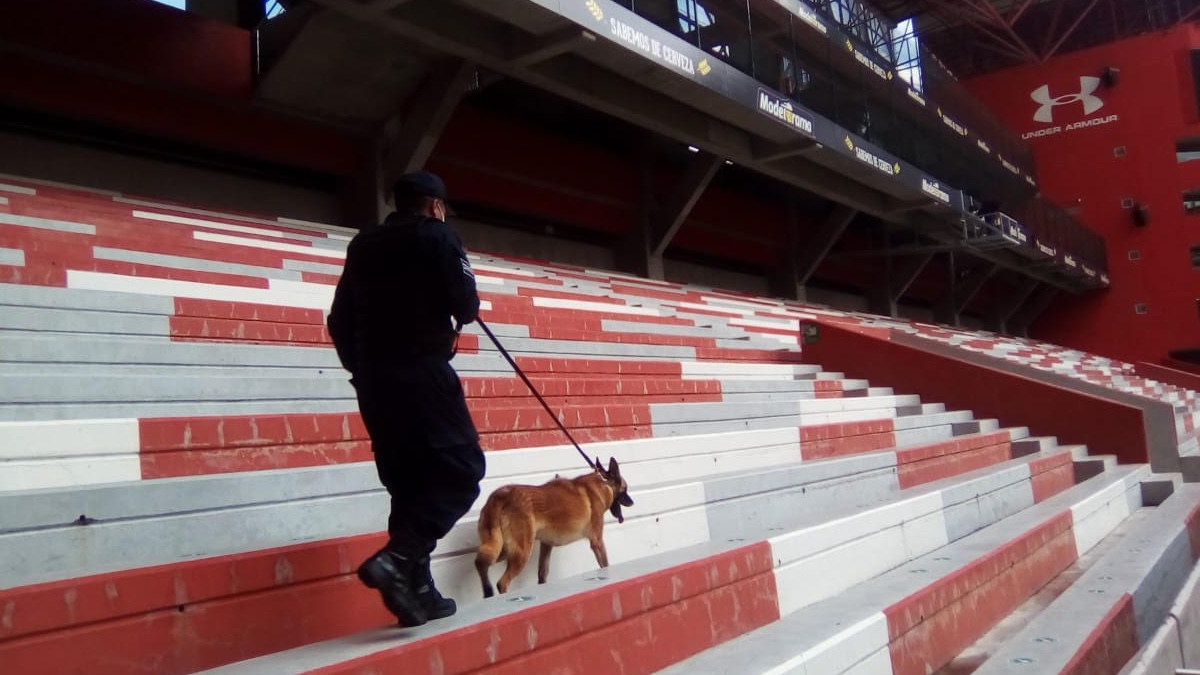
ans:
(426, 449)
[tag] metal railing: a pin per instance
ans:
(843, 61)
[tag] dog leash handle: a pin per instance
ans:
(512, 362)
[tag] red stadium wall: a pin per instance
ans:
(138, 37)
(512, 164)
(141, 65)
(1152, 106)
(888, 359)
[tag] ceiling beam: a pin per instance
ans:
(487, 42)
(970, 285)
(809, 257)
(1052, 30)
(546, 47)
(477, 39)
(1003, 43)
(895, 282)
(675, 210)
(1071, 30)
(960, 291)
(898, 206)
(1012, 18)
(770, 152)
(1019, 323)
(907, 272)
(429, 109)
(989, 12)
(1010, 303)
(385, 6)
(1116, 23)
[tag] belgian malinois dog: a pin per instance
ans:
(556, 513)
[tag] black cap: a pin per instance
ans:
(420, 183)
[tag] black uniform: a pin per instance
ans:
(402, 284)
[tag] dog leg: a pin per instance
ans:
(491, 548)
(544, 562)
(516, 562)
(519, 545)
(601, 553)
(482, 563)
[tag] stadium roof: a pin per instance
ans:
(972, 37)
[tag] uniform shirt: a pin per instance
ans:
(403, 283)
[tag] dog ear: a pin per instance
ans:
(600, 469)
(614, 469)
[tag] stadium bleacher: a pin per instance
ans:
(1111, 373)
(186, 486)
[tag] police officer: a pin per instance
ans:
(403, 283)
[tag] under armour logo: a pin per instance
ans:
(1087, 87)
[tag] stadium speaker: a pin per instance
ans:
(1109, 76)
(1141, 215)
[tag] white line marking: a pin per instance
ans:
(268, 245)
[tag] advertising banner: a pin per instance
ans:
(632, 32)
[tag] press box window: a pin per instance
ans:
(1187, 150)
(1191, 202)
(1196, 74)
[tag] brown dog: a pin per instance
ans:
(555, 513)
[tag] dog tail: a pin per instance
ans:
(491, 540)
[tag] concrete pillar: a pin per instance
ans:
(642, 252)
(960, 293)
(885, 297)
(785, 279)
(1037, 303)
(244, 13)
(411, 134)
(1008, 307)
(805, 256)
(366, 197)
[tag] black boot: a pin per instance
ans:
(392, 574)
(431, 601)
